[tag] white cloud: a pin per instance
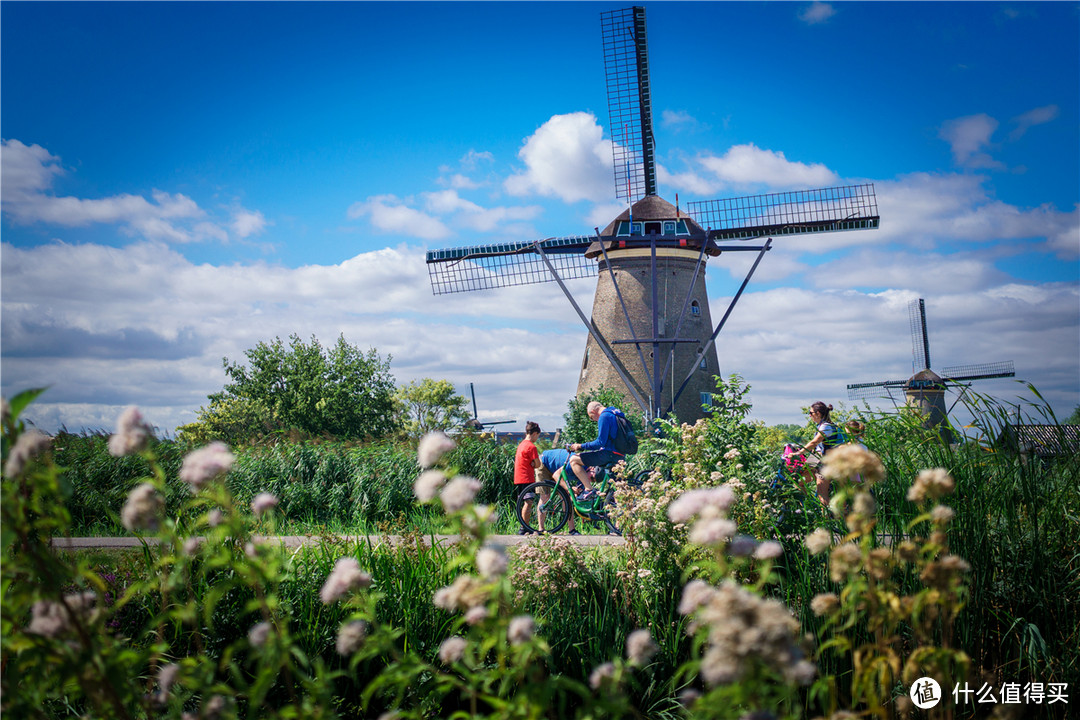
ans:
(1036, 116)
(568, 158)
(748, 165)
(28, 176)
(969, 137)
(247, 222)
(817, 12)
(678, 120)
(390, 214)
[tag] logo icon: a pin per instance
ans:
(925, 693)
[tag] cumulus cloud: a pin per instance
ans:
(29, 172)
(109, 327)
(969, 137)
(817, 12)
(391, 214)
(1036, 116)
(748, 165)
(568, 158)
(473, 216)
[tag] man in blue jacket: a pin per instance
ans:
(599, 452)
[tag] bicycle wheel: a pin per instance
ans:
(543, 507)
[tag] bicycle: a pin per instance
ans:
(557, 503)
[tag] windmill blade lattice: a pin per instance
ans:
(846, 207)
(920, 341)
(858, 391)
(626, 68)
(483, 267)
(979, 371)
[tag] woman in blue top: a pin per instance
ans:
(827, 437)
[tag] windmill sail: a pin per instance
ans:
(920, 341)
(626, 68)
(483, 267)
(980, 371)
(847, 207)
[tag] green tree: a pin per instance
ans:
(1073, 419)
(427, 405)
(340, 391)
(579, 428)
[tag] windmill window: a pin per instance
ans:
(653, 228)
(585, 360)
(695, 309)
(706, 399)
(635, 229)
(669, 227)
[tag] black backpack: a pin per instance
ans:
(625, 442)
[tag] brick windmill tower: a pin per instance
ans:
(651, 333)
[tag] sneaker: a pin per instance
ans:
(525, 531)
(587, 495)
(573, 532)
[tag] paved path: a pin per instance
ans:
(300, 540)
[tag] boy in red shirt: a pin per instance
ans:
(526, 462)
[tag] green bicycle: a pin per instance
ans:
(546, 506)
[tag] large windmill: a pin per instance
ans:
(651, 333)
(925, 389)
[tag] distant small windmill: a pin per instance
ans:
(651, 326)
(474, 423)
(925, 389)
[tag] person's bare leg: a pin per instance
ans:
(579, 470)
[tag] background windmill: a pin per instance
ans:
(650, 331)
(475, 423)
(925, 389)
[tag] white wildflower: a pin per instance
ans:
(426, 487)
(259, 633)
(452, 649)
(699, 502)
(818, 541)
(712, 531)
(132, 433)
(640, 647)
(206, 464)
(432, 447)
(492, 561)
(262, 503)
(476, 615)
(934, 484)
(346, 577)
(350, 637)
(769, 550)
(520, 630)
(602, 675)
(695, 594)
(942, 514)
(824, 604)
(853, 462)
(29, 445)
(459, 492)
(143, 508)
(215, 517)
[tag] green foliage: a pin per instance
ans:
(890, 600)
(578, 428)
(1073, 419)
(340, 392)
(429, 405)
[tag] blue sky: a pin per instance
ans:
(184, 180)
